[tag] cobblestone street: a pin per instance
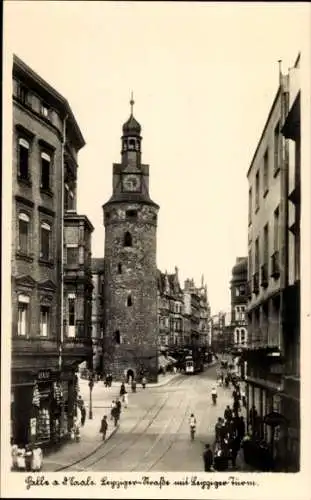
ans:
(154, 431)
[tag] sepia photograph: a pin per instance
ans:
(154, 256)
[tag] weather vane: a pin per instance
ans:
(132, 102)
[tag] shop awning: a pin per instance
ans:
(172, 361)
(163, 362)
(274, 419)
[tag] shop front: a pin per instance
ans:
(42, 407)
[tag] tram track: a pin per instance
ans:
(111, 448)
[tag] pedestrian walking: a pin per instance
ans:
(208, 458)
(28, 457)
(122, 389)
(218, 427)
(235, 446)
(241, 428)
(228, 413)
(83, 415)
(133, 386)
(125, 399)
(104, 427)
(112, 412)
(37, 459)
(144, 382)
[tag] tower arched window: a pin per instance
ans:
(132, 144)
(117, 337)
(127, 239)
(129, 301)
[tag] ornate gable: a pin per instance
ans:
(25, 281)
(47, 286)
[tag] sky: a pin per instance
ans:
(204, 76)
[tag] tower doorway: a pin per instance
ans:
(129, 376)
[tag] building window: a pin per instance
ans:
(250, 264)
(266, 172)
(242, 290)
(72, 254)
(277, 148)
(45, 241)
(44, 110)
(266, 244)
(250, 205)
(45, 171)
(276, 229)
(23, 94)
(23, 159)
(242, 336)
(117, 337)
(119, 268)
(71, 315)
(23, 315)
(127, 239)
(44, 321)
(129, 301)
(237, 291)
(257, 186)
(256, 255)
(23, 233)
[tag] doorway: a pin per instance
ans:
(129, 375)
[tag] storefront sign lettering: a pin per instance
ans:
(44, 375)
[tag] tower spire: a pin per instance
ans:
(132, 102)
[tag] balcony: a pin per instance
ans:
(256, 283)
(275, 265)
(264, 275)
(34, 346)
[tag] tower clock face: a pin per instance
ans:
(131, 183)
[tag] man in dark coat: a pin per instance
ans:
(104, 427)
(228, 413)
(208, 458)
(241, 428)
(83, 415)
(218, 428)
(122, 389)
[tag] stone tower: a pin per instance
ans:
(130, 282)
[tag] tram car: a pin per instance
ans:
(193, 364)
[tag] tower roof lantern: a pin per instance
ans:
(131, 126)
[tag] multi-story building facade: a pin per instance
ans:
(196, 314)
(238, 288)
(290, 396)
(271, 244)
(130, 283)
(46, 141)
(98, 268)
(170, 310)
